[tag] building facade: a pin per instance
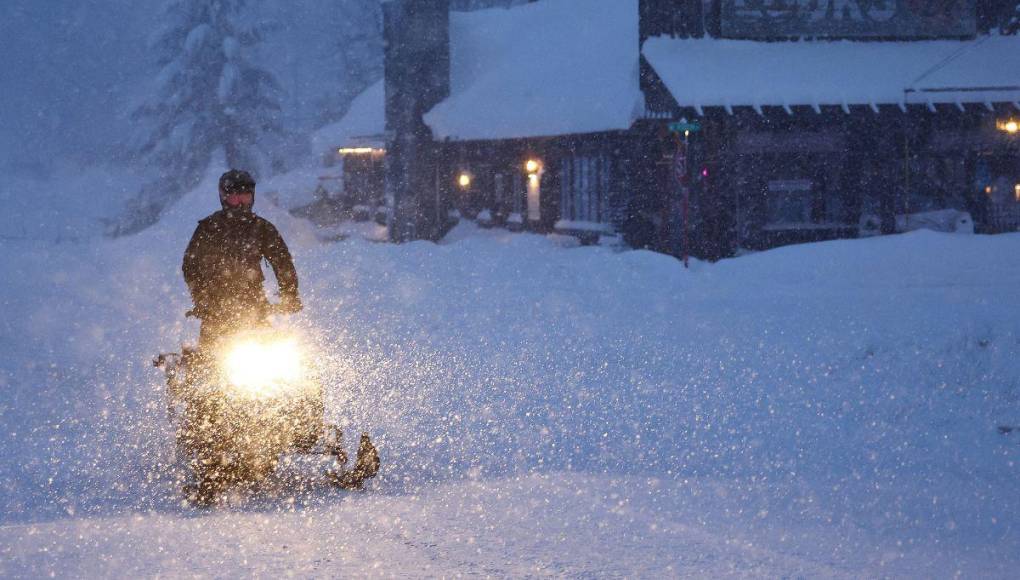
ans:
(703, 127)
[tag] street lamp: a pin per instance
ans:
(464, 180)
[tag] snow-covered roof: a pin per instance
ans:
(986, 70)
(364, 125)
(710, 72)
(540, 69)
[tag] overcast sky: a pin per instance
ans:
(72, 70)
(65, 67)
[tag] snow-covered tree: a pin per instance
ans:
(210, 95)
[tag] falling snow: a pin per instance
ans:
(822, 410)
(542, 408)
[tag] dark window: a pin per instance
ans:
(584, 188)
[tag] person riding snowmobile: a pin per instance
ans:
(230, 428)
(222, 264)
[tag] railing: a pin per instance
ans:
(1004, 218)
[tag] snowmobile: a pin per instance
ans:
(237, 409)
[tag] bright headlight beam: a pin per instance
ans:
(261, 367)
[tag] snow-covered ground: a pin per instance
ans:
(820, 410)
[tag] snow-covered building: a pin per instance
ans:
(702, 125)
(362, 147)
(353, 149)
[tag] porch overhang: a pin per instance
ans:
(704, 73)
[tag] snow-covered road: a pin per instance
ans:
(540, 525)
(814, 411)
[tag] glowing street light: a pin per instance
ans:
(532, 166)
(1012, 126)
(464, 180)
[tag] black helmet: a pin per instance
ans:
(236, 181)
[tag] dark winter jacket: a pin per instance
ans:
(222, 265)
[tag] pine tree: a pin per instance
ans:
(210, 96)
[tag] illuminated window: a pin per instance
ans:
(360, 151)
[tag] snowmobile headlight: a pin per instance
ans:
(263, 368)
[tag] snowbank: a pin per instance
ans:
(940, 220)
(69, 205)
(839, 403)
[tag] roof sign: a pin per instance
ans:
(848, 18)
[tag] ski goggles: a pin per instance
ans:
(237, 198)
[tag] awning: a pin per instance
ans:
(541, 69)
(711, 72)
(983, 71)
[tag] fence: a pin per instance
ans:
(1003, 217)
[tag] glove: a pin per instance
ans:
(291, 304)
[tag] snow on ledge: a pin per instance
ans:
(582, 226)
